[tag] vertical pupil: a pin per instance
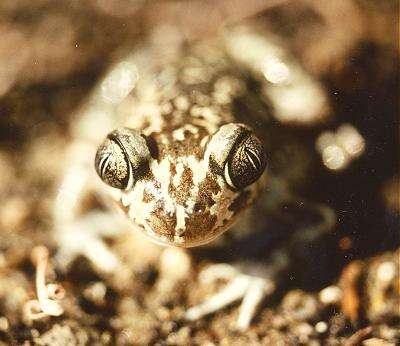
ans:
(103, 163)
(253, 158)
(112, 166)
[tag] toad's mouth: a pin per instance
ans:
(185, 238)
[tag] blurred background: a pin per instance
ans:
(52, 53)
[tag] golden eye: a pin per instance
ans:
(236, 153)
(246, 162)
(122, 158)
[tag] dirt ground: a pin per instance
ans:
(51, 55)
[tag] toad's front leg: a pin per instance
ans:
(77, 232)
(252, 289)
(254, 280)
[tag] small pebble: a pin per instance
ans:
(96, 292)
(330, 295)
(4, 325)
(304, 331)
(13, 212)
(386, 271)
(321, 327)
(299, 305)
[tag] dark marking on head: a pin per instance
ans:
(172, 169)
(162, 222)
(171, 186)
(214, 167)
(190, 145)
(207, 188)
(185, 186)
(147, 196)
(198, 224)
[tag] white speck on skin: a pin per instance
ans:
(177, 177)
(180, 219)
(162, 174)
(179, 134)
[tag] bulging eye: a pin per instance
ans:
(236, 153)
(122, 158)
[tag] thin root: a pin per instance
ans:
(48, 296)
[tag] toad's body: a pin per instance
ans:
(198, 131)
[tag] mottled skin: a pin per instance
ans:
(178, 105)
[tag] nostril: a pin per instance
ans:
(199, 207)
